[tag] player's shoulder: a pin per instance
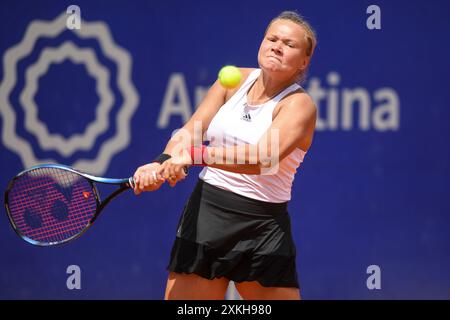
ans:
(300, 98)
(246, 70)
(245, 73)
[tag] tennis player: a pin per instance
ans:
(235, 225)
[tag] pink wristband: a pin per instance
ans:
(198, 155)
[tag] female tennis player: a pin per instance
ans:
(235, 225)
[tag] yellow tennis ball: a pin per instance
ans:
(230, 76)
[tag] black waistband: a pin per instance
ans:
(235, 202)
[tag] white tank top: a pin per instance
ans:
(238, 123)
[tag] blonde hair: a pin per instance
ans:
(310, 34)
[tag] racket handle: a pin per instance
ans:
(131, 183)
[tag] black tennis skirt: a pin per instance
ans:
(223, 234)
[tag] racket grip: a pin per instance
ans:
(131, 183)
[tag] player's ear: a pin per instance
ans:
(304, 63)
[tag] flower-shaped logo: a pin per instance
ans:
(68, 50)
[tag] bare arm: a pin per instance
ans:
(145, 177)
(201, 118)
(292, 127)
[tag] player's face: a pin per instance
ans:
(283, 48)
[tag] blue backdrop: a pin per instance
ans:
(373, 189)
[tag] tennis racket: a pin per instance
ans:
(52, 204)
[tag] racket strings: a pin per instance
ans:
(51, 204)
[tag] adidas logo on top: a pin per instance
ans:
(246, 117)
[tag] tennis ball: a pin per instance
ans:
(230, 76)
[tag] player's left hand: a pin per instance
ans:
(175, 169)
(146, 178)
